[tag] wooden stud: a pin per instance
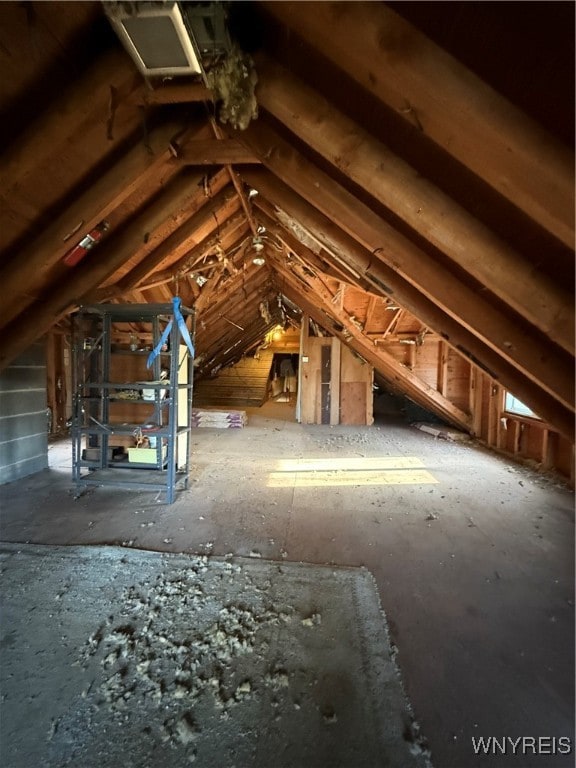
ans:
(335, 380)
(459, 338)
(295, 179)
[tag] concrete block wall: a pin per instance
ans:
(23, 422)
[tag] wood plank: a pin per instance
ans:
(511, 153)
(79, 108)
(216, 152)
(353, 403)
(370, 313)
(170, 93)
(417, 202)
(476, 386)
(335, 382)
(24, 330)
(24, 276)
(442, 368)
(295, 180)
(385, 281)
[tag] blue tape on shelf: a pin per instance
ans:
(176, 303)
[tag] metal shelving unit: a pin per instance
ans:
(111, 412)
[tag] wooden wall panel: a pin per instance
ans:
(426, 366)
(353, 371)
(518, 437)
(458, 380)
(310, 380)
(353, 403)
(360, 374)
(564, 458)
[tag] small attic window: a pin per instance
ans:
(517, 407)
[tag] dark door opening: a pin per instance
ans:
(284, 377)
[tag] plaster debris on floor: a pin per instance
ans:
(134, 658)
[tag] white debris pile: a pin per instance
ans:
(140, 659)
(176, 646)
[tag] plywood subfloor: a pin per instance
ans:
(473, 556)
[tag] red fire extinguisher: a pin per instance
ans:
(77, 253)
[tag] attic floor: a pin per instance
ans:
(473, 557)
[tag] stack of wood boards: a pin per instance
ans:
(244, 384)
(219, 419)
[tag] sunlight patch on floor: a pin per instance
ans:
(385, 470)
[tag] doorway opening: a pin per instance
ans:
(284, 378)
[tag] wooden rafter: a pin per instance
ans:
(526, 350)
(137, 170)
(193, 260)
(421, 205)
(156, 220)
(81, 110)
(197, 212)
(320, 299)
(543, 403)
(513, 155)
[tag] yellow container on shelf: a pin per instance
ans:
(145, 455)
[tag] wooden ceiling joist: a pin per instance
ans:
(519, 346)
(511, 153)
(139, 236)
(170, 93)
(319, 301)
(466, 343)
(417, 202)
(151, 167)
(216, 152)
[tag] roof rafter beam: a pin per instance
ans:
(382, 360)
(208, 328)
(235, 295)
(151, 167)
(385, 281)
(227, 240)
(78, 111)
(155, 221)
(531, 354)
(199, 214)
(511, 153)
(417, 202)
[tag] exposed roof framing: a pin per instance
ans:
(391, 154)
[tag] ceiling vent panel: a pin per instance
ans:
(170, 39)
